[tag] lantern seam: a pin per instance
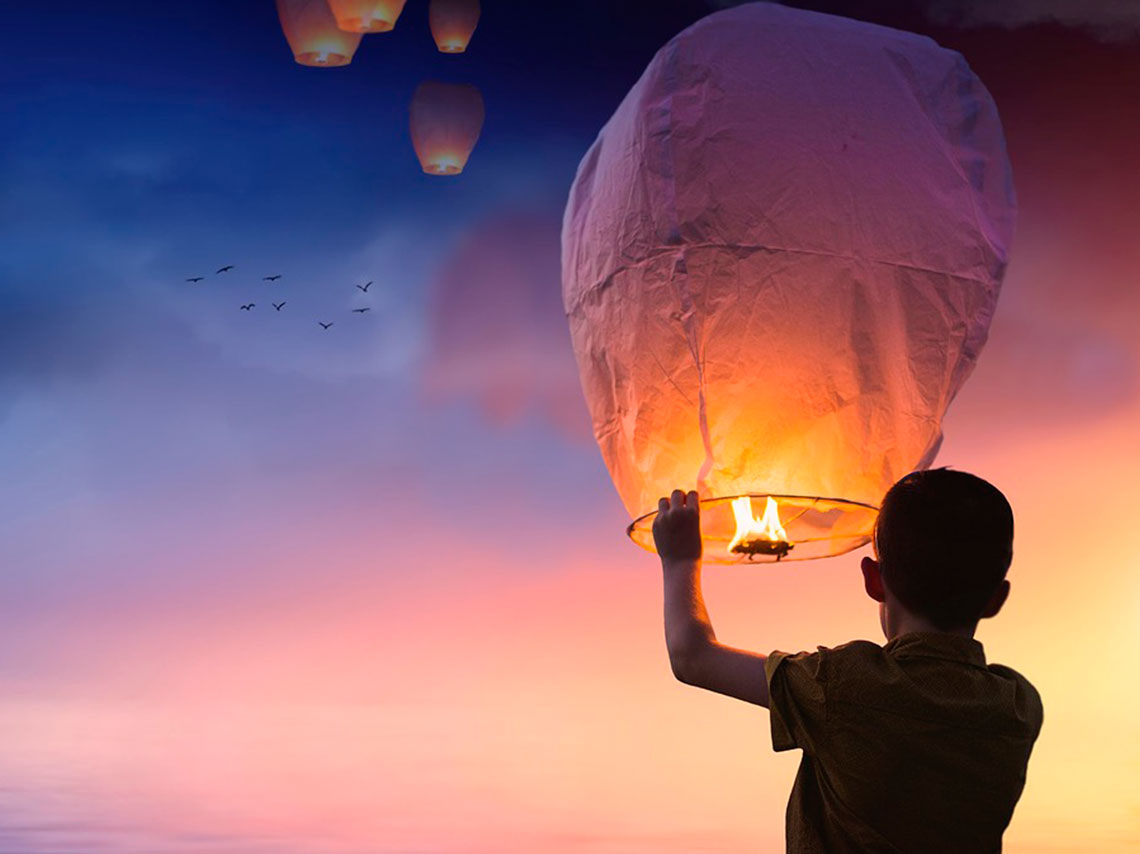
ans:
(605, 281)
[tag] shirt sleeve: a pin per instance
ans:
(797, 699)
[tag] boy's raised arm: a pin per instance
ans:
(697, 658)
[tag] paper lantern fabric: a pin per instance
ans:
(446, 120)
(312, 33)
(453, 23)
(781, 256)
(366, 16)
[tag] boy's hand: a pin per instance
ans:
(677, 528)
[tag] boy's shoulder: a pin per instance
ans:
(823, 656)
(855, 661)
(864, 657)
(830, 667)
(826, 658)
(1007, 672)
(1026, 696)
(927, 664)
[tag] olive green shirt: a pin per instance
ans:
(915, 747)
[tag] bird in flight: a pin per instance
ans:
(270, 278)
(324, 325)
(248, 306)
(195, 279)
(224, 269)
(278, 305)
(365, 287)
(360, 310)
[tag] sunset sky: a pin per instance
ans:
(270, 588)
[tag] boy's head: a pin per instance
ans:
(944, 541)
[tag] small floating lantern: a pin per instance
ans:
(453, 23)
(446, 120)
(313, 35)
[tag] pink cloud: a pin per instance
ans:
(497, 332)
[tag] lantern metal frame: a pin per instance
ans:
(808, 537)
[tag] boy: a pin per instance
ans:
(915, 747)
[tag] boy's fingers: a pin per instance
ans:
(693, 500)
(677, 499)
(662, 506)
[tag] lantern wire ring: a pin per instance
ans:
(814, 502)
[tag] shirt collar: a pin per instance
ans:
(937, 645)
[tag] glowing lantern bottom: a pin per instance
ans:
(366, 16)
(322, 58)
(793, 527)
(367, 25)
(444, 164)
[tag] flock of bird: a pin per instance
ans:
(250, 306)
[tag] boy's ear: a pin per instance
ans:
(997, 600)
(873, 579)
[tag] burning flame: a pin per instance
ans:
(750, 529)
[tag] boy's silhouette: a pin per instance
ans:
(915, 747)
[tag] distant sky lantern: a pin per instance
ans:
(446, 120)
(780, 260)
(453, 23)
(366, 16)
(312, 33)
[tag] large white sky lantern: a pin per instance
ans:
(780, 260)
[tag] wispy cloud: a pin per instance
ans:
(498, 334)
(1110, 20)
(1113, 20)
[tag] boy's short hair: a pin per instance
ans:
(944, 541)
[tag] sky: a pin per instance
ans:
(270, 588)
